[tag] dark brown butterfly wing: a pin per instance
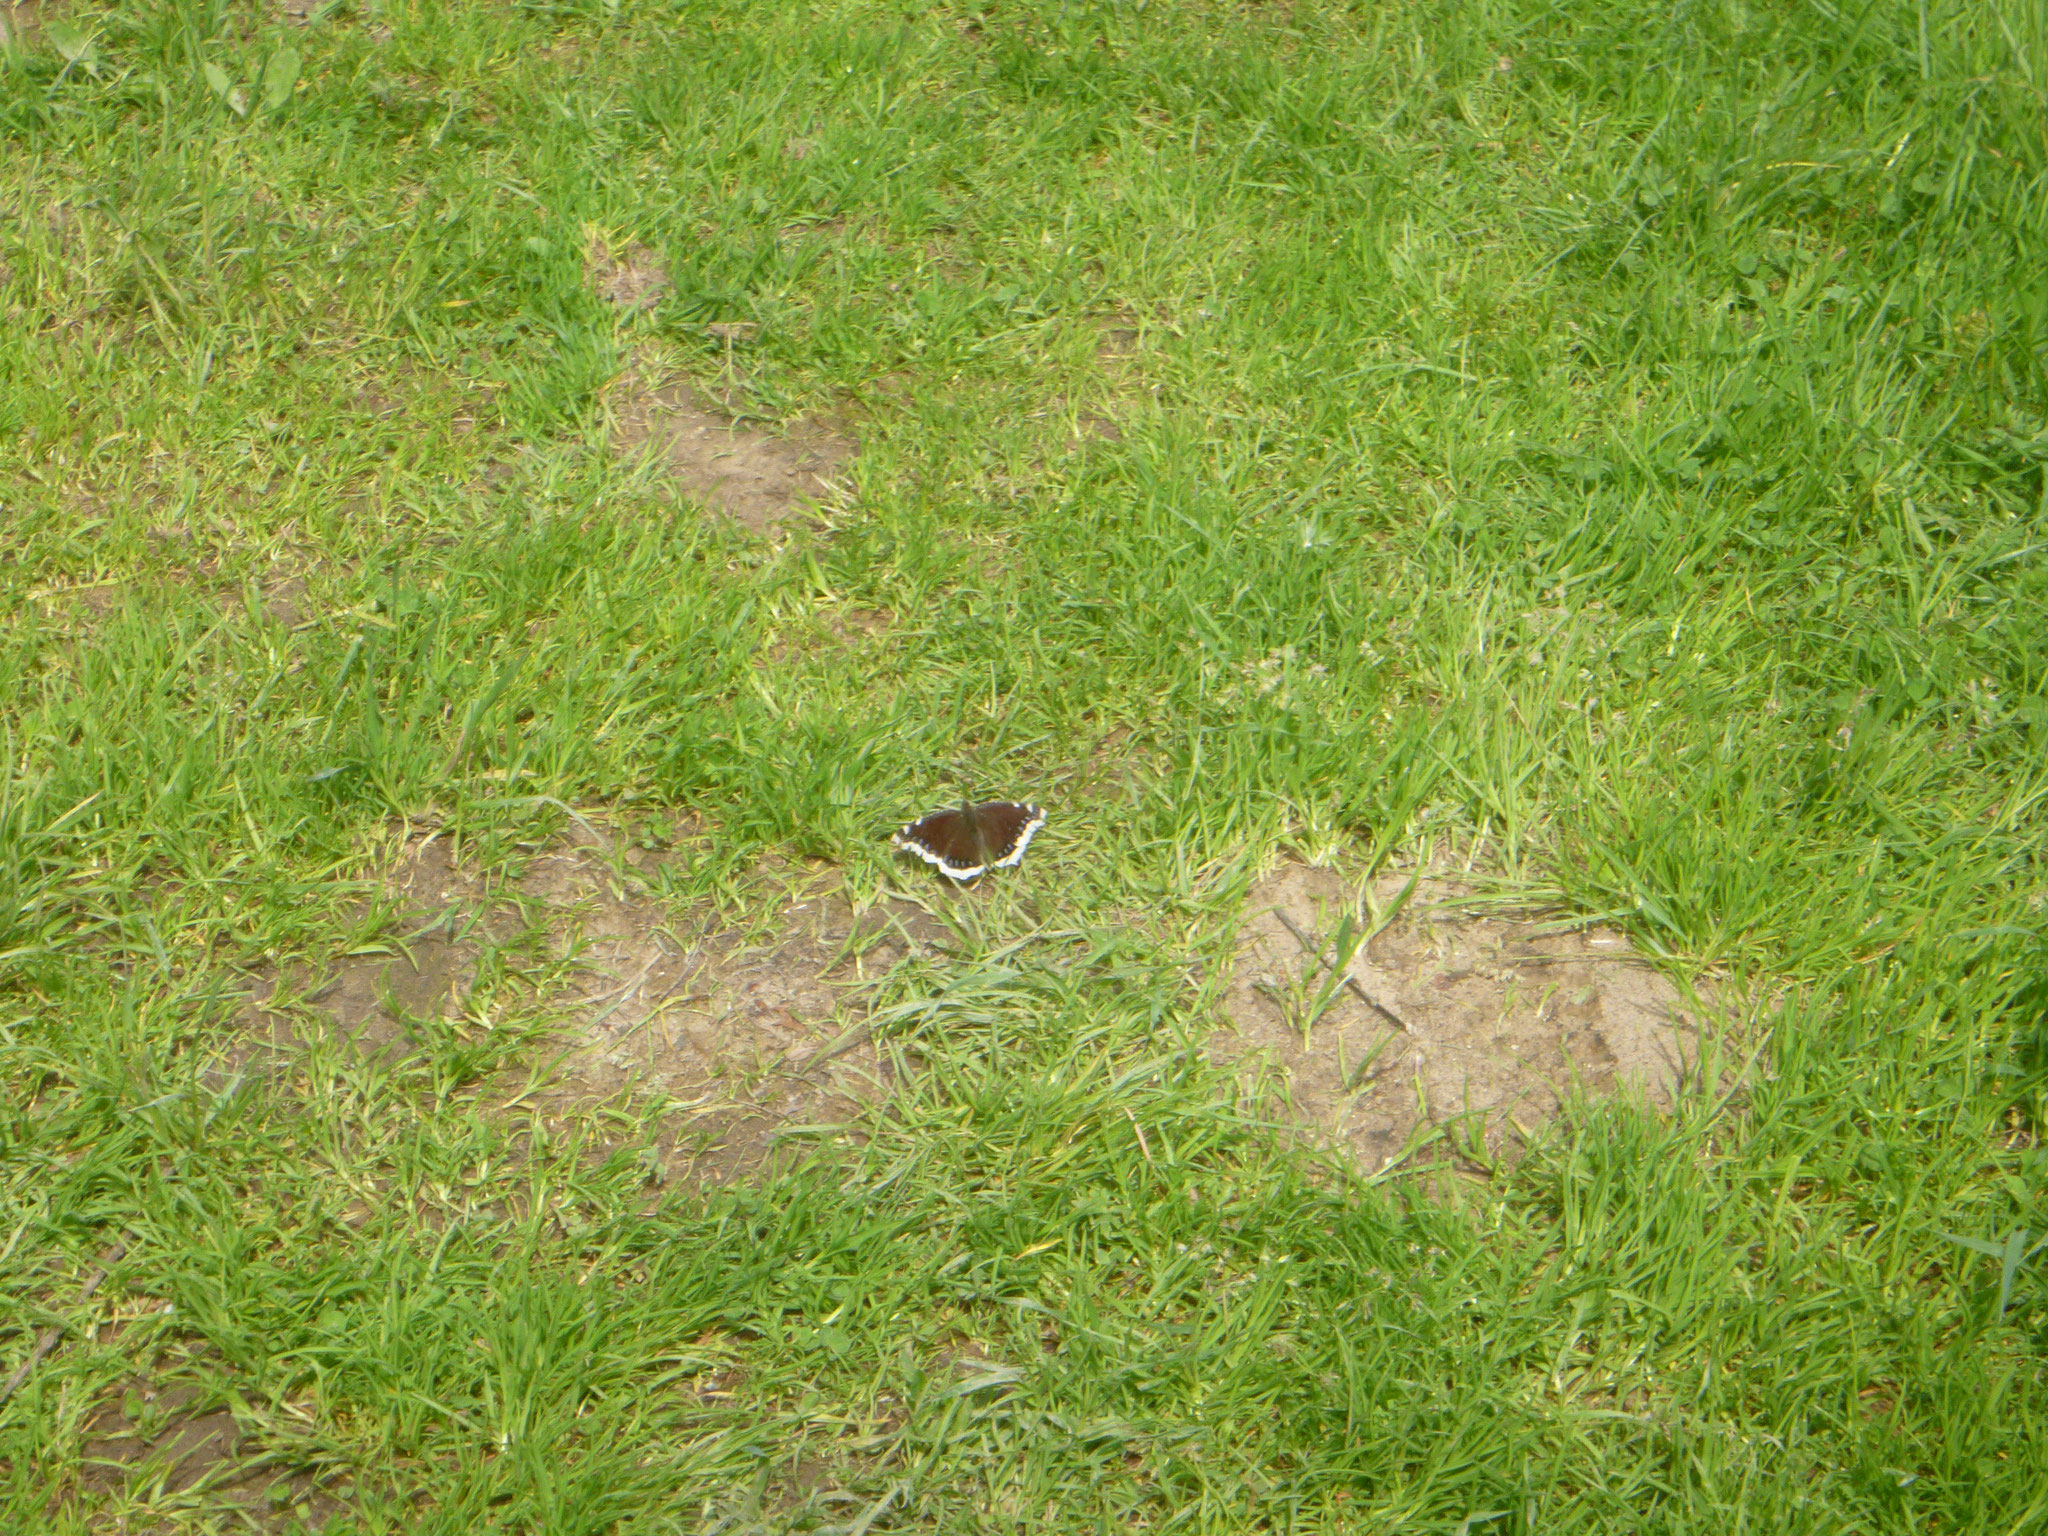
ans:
(967, 841)
(944, 838)
(1006, 829)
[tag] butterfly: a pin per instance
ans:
(968, 840)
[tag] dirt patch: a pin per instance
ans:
(1091, 426)
(896, 391)
(856, 626)
(178, 1443)
(376, 403)
(762, 481)
(813, 227)
(1499, 1016)
(747, 1038)
(20, 23)
(1114, 766)
(753, 1037)
(630, 282)
(447, 946)
(830, 629)
(286, 601)
(79, 607)
(1116, 339)
(84, 601)
(405, 392)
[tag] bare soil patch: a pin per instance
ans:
(175, 1442)
(20, 22)
(754, 1037)
(750, 1039)
(830, 629)
(82, 603)
(79, 606)
(1117, 338)
(1503, 1016)
(286, 600)
(853, 625)
(1084, 426)
(1093, 426)
(405, 394)
(813, 227)
(763, 481)
(449, 938)
(629, 281)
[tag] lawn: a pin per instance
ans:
(1598, 447)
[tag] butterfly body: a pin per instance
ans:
(966, 841)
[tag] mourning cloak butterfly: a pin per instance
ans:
(969, 840)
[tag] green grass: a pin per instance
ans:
(1612, 434)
